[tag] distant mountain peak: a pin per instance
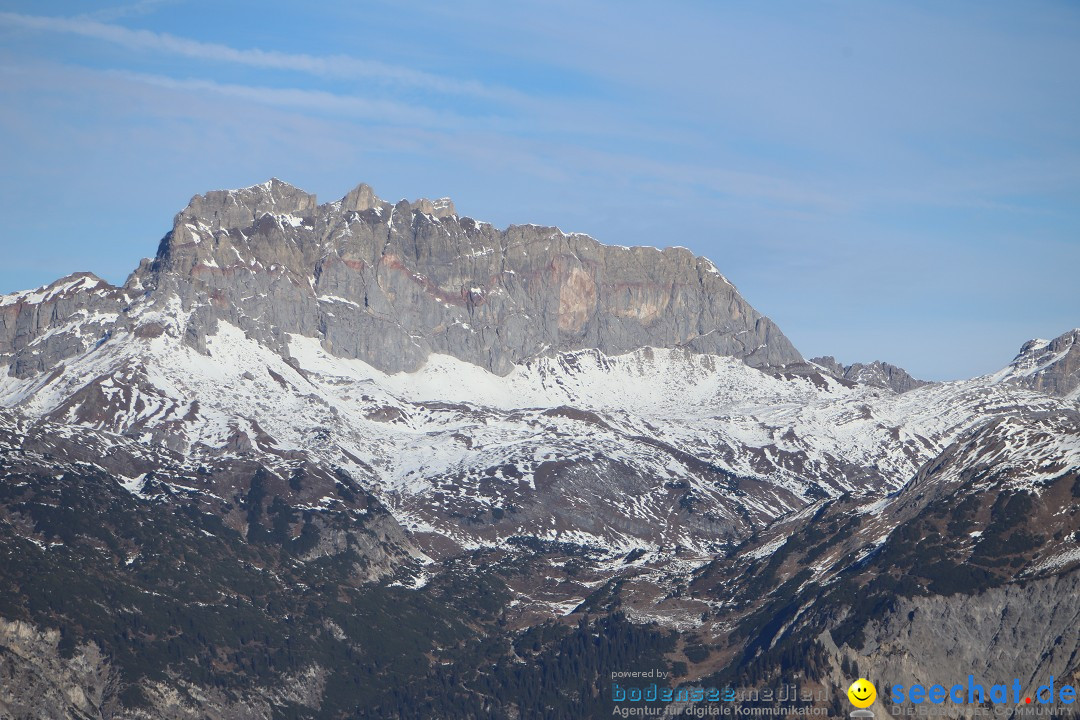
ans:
(1052, 366)
(73, 283)
(877, 374)
(440, 208)
(360, 198)
(235, 209)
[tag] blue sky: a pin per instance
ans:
(896, 181)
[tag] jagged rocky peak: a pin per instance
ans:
(1051, 366)
(67, 286)
(360, 198)
(441, 208)
(363, 197)
(877, 374)
(241, 208)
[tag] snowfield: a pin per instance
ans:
(653, 431)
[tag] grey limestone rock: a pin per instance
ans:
(1052, 366)
(40, 681)
(40, 328)
(241, 208)
(1025, 631)
(391, 284)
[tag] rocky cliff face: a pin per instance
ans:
(39, 681)
(1023, 631)
(42, 327)
(391, 284)
(1051, 366)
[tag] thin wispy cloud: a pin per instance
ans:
(346, 106)
(473, 145)
(135, 9)
(338, 66)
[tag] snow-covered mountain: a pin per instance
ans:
(413, 390)
(653, 447)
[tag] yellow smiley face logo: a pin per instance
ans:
(862, 693)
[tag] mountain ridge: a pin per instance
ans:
(391, 284)
(877, 373)
(259, 516)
